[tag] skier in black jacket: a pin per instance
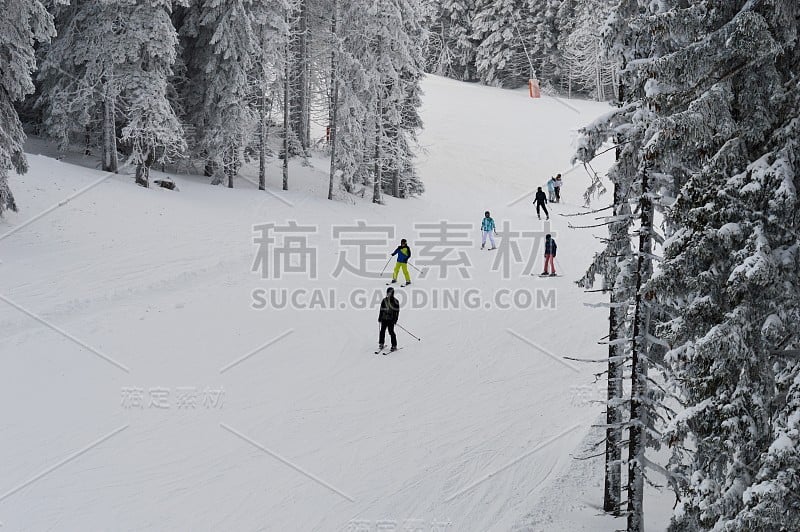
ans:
(387, 317)
(550, 249)
(541, 202)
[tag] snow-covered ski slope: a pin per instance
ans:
(140, 389)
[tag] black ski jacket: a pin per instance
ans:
(550, 247)
(390, 310)
(541, 197)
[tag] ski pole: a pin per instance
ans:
(420, 271)
(406, 330)
(384, 266)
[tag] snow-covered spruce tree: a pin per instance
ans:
(706, 85)
(24, 22)
(543, 42)
(350, 99)
(615, 265)
(509, 33)
(733, 269)
(300, 76)
(78, 76)
(152, 130)
(451, 47)
(378, 66)
(643, 177)
(113, 58)
(220, 50)
(586, 69)
(405, 181)
(272, 31)
(402, 97)
(499, 26)
(730, 273)
(625, 274)
(333, 97)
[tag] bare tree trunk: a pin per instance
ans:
(598, 78)
(286, 118)
(209, 168)
(334, 102)
(110, 163)
(229, 165)
(333, 139)
(87, 138)
(612, 495)
(376, 192)
(142, 177)
(639, 421)
(618, 233)
(569, 83)
(143, 169)
(300, 78)
(263, 138)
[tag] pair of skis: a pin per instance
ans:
(400, 285)
(385, 351)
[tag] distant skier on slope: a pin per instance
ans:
(488, 230)
(387, 317)
(550, 249)
(551, 189)
(403, 253)
(541, 203)
(558, 184)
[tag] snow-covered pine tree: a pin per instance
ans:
(78, 76)
(640, 176)
(300, 76)
(451, 50)
(152, 130)
(711, 113)
(499, 26)
(24, 22)
(333, 99)
(272, 32)
(405, 180)
(378, 66)
(586, 69)
(405, 36)
(351, 97)
(542, 43)
(516, 39)
(731, 104)
(615, 265)
(625, 274)
(220, 50)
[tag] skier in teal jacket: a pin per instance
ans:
(488, 231)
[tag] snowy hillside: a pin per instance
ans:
(144, 387)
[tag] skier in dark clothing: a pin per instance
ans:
(541, 203)
(550, 249)
(387, 317)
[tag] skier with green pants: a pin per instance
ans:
(403, 253)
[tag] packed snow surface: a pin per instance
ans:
(144, 389)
